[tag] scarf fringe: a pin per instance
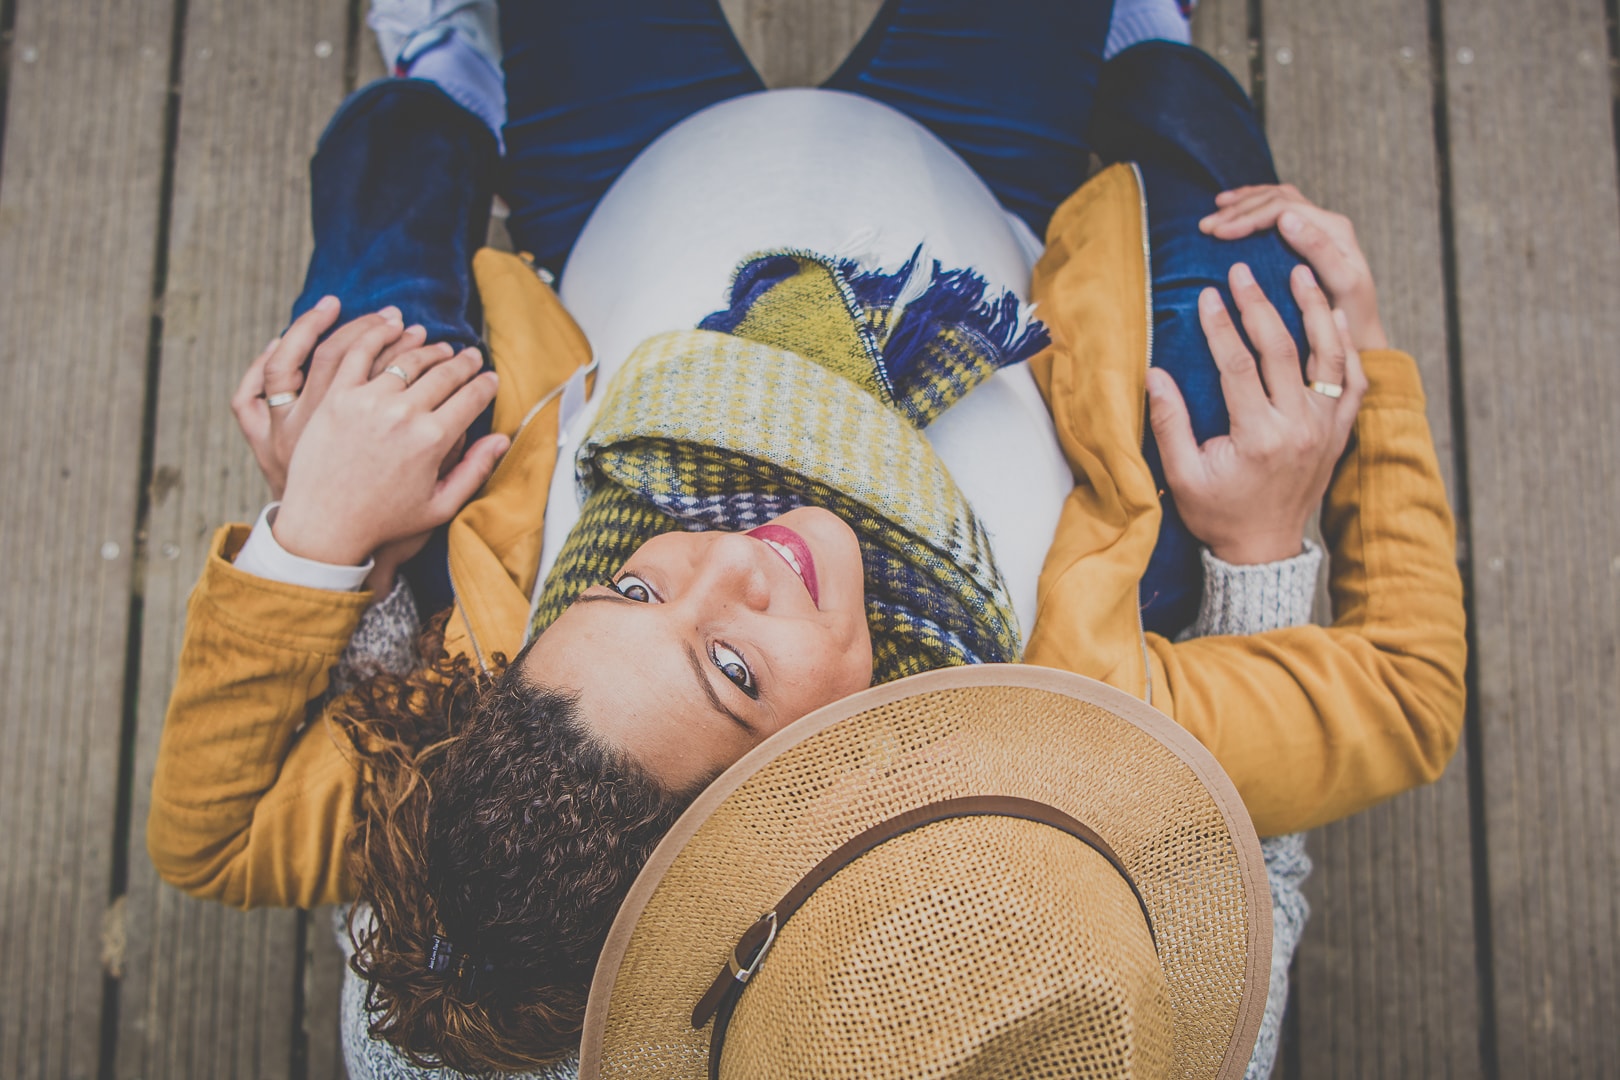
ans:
(923, 295)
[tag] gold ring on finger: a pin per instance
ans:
(395, 369)
(1327, 389)
(276, 401)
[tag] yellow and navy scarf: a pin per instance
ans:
(811, 389)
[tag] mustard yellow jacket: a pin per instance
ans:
(250, 806)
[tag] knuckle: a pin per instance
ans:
(426, 430)
(281, 362)
(1236, 362)
(1267, 444)
(1279, 346)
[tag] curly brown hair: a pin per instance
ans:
(488, 815)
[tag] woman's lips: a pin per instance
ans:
(794, 551)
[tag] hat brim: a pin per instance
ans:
(1124, 769)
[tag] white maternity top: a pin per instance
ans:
(842, 175)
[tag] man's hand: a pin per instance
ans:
(1322, 238)
(368, 470)
(1248, 495)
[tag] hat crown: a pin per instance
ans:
(972, 947)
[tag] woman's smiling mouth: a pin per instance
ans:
(794, 551)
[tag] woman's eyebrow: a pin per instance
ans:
(714, 698)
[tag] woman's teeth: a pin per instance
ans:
(787, 554)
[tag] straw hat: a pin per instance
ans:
(1072, 888)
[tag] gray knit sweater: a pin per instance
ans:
(1236, 600)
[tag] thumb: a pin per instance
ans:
(1314, 244)
(461, 483)
(1172, 428)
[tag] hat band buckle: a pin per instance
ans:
(743, 972)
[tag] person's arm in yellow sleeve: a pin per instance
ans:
(1315, 723)
(251, 806)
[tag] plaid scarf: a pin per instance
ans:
(811, 389)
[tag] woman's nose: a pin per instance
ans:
(730, 572)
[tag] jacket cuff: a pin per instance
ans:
(272, 612)
(1393, 381)
(1254, 599)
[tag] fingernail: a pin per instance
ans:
(1303, 273)
(391, 313)
(328, 303)
(1205, 224)
(1289, 223)
(272, 344)
(1341, 320)
(1241, 275)
(1209, 300)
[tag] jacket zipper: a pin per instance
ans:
(534, 410)
(1147, 290)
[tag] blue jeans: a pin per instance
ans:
(401, 184)
(1192, 132)
(1008, 86)
(403, 176)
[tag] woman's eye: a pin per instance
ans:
(735, 668)
(633, 588)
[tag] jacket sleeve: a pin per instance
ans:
(1315, 723)
(251, 805)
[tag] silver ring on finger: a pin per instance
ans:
(1327, 389)
(395, 369)
(276, 401)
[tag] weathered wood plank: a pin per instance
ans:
(323, 987)
(79, 211)
(1357, 966)
(369, 66)
(1390, 946)
(1221, 28)
(794, 43)
(210, 992)
(1536, 215)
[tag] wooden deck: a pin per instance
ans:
(153, 229)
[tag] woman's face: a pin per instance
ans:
(706, 643)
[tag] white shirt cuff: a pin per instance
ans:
(263, 557)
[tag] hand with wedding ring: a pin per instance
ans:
(1248, 494)
(369, 470)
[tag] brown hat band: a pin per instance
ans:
(721, 998)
